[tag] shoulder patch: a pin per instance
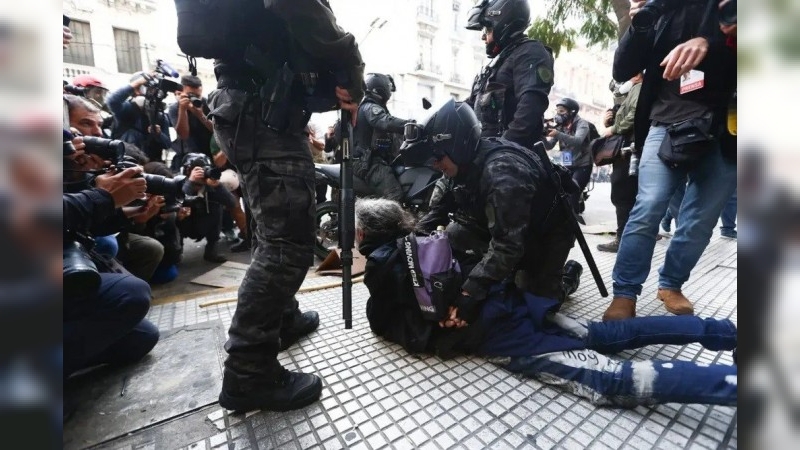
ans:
(545, 74)
(376, 110)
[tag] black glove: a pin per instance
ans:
(468, 308)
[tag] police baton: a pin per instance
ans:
(563, 198)
(347, 217)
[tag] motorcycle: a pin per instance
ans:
(417, 184)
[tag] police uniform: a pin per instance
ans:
(528, 245)
(510, 96)
(372, 138)
(275, 165)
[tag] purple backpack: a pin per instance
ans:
(435, 275)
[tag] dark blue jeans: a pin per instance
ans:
(728, 215)
(108, 328)
(606, 381)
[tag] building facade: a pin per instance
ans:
(115, 38)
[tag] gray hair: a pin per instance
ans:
(382, 218)
(74, 102)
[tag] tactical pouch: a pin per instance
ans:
(489, 109)
(275, 99)
(445, 287)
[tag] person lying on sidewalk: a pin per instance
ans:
(521, 333)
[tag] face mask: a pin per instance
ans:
(625, 87)
(561, 119)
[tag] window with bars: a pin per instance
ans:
(80, 50)
(129, 54)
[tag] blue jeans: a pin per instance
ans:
(675, 204)
(109, 327)
(606, 381)
(728, 215)
(712, 181)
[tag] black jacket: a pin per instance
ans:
(644, 50)
(519, 80)
(90, 210)
(506, 197)
(374, 123)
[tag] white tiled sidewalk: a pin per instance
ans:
(378, 396)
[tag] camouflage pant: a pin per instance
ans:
(381, 178)
(540, 275)
(278, 186)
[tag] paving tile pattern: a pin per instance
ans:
(378, 396)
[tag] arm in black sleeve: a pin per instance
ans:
(532, 81)
(379, 118)
(313, 25)
(87, 209)
(633, 53)
(510, 183)
(124, 111)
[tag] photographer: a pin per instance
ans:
(573, 135)
(207, 211)
(188, 116)
(623, 185)
(105, 325)
(679, 129)
(133, 124)
(139, 254)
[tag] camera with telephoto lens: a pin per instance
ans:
(81, 277)
(193, 160)
(169, 188)
(647, 17)
(107, 149)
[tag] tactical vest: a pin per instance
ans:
(490, 96)
(367, 137)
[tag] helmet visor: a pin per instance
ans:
(413, 132)
(475, 16)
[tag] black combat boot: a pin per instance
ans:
(297, 325)
(211, 255)
(571, 276)
(288, 391)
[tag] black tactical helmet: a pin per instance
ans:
(507, 18)
(380, 85)
(453, 131)
(571, 105)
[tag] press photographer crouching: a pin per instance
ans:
(138, 254)
(209, 197)
(104, 305)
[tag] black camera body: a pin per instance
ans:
(193, 160)
(81, 277)
(196, 100)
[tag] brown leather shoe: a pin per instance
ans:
(675, 302)
(620, 308)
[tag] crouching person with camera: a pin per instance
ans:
(522, 332)
(103, 311)
(207, 198)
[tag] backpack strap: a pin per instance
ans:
(411, 250)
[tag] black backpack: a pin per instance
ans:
(211, 28)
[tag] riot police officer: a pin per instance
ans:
(270, 82)
(493, 237)
(509, 97)
(372, 138)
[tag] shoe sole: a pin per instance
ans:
(238, 404)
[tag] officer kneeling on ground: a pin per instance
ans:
(506, 221)
(523, 334)
(372, 137)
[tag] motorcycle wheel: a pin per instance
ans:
(327, 228)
